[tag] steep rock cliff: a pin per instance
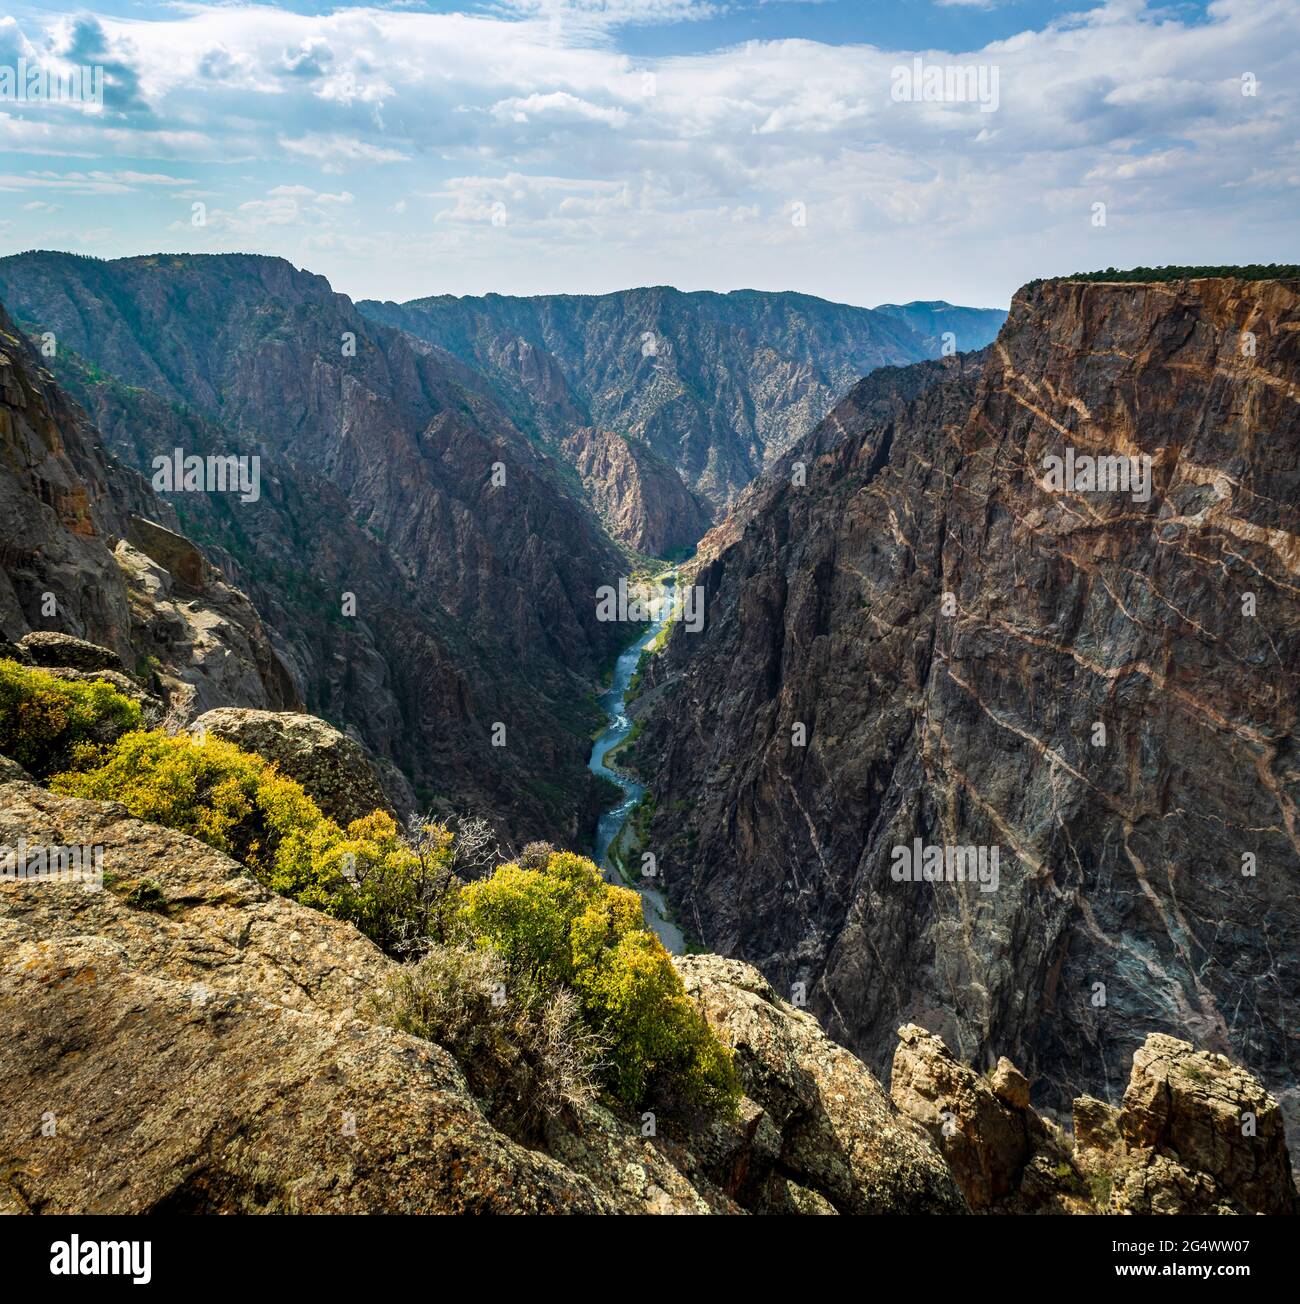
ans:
(87, 549)
(1102, 688)
(642, 500)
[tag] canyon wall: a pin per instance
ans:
(912, 637)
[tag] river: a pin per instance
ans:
(614, 703)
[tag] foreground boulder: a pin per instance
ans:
(820, 1130)
(334, 769)
(194, 1100)
(180, 1039)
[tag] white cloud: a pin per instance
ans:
(684, 167)
(557, 106)
(335, 151)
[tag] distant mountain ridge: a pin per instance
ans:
(718, 385)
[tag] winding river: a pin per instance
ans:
(614, 703)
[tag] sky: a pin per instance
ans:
(582, 146)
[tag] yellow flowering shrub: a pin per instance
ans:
(43, 719)
(241, 804)
(562, 925)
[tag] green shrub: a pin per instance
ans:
(147, 894)
(242, 805)
(563, 926)
(43, 719)
(396, 891)
(1237, 271)
(526, 1059)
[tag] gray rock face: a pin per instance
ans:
(71, 593)
(333, 768)
(641, 499)
(1103, 689)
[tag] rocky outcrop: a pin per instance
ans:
(176, 1038)
(718, 385)
(47, 648)
(1195, 1134)
(1211, 1119)
(641, 499)
(204, 646)
(183, 1040)
(925, 640)
(333, 768)
(816, 1117)
(984, 1129)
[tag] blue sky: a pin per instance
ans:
(541, 146)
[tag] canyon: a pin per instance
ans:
(911, 638)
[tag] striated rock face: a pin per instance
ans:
(641, 499)
(333, 768)
(718, 385)
(1101, 688)
(182, 1040)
